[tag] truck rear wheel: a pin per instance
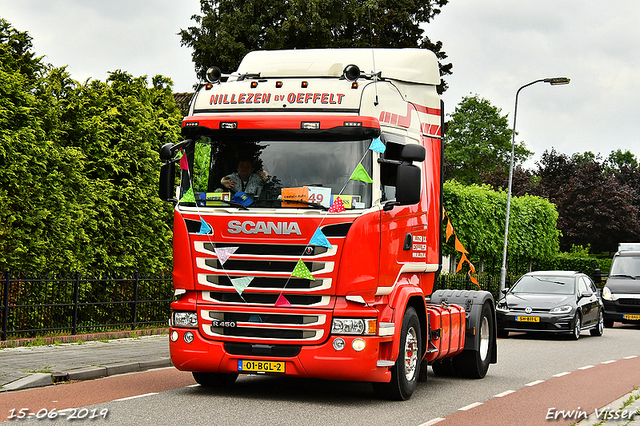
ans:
(405, 372)
(214, 380)
(474, 363)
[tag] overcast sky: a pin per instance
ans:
(495, 46)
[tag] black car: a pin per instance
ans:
(621, 294)
(551, 301)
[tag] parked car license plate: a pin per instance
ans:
(528, 319)
(631, 317)
(251, 366)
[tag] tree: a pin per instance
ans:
(79, 167)
(595, 208)
(229, 29)
(477, 140)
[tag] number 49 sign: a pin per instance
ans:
(320, 195)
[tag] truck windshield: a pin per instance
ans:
(279, 174)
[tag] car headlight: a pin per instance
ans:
(360, 326)
(561, 310)
(502, 306)
(606, 294)
(184, 319)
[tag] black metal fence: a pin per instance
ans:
(489, 283)
(32, 306)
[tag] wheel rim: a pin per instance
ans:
(601, 324)
(484, 338)
(576, 329)
(410, 353)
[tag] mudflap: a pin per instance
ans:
(473, 302)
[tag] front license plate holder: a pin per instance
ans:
(253, 366)
(527, 319)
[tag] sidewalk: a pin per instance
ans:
(33, 366)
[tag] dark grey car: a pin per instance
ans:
(621, 294)
(551, 302)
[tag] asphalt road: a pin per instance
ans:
(533, 374)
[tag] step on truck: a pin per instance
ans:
(307, 225)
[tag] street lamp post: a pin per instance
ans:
(554, 81)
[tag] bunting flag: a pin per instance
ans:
(377, 145)
(449, 230)
(240, 284)
(361, 174)
(188, 196)
(205, 228)
(319, 239)
(463, 259)
(224, 253)
(337, 206)
(184, 165)
(282, 302)
(460, 247)
(255, 318)
(302, 271)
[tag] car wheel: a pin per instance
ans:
(405, 372)
(608, 322)
(599, 328)
(577, 325)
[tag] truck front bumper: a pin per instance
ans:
(318, 361)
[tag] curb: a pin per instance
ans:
(87, 337)
(86, 373)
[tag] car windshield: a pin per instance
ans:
(624, 266)
(280, 174)
(544, 285)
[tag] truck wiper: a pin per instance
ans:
(309, 203)
(234, 204)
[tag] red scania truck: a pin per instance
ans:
(307, 225)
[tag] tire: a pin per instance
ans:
(577, 325)
(474, 364)
(599, 328)
(608, 323)
(215, 380)
(502, 333)
(405, 372)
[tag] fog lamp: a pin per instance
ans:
(174, 336)
(188, 337)
(338, 344)
(358, 345)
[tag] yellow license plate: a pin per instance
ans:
(251, 366)
(528, 319)
(631, 317)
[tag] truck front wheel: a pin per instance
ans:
(214, 380)
(405, 372)
(474, 364)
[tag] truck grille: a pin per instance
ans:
(251, 316)
(258, 325)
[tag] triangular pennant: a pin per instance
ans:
(255, 318)
(188, 196)
(319, 239)
(361, 174)
(282, 302)
(302, 271)
(462, 260)
(449, 230)
(224, 253)
(460, 247)
(184, 165)
(205, 228)
(377, 145)
(474, 280)
(337, 206)
(240, 284)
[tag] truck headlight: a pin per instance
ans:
(606, 294)
(362, 326)
(565, 309)
(184, 319)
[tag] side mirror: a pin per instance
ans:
(413, 152)
(167, 181)
(585, 294)
(408, 184)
